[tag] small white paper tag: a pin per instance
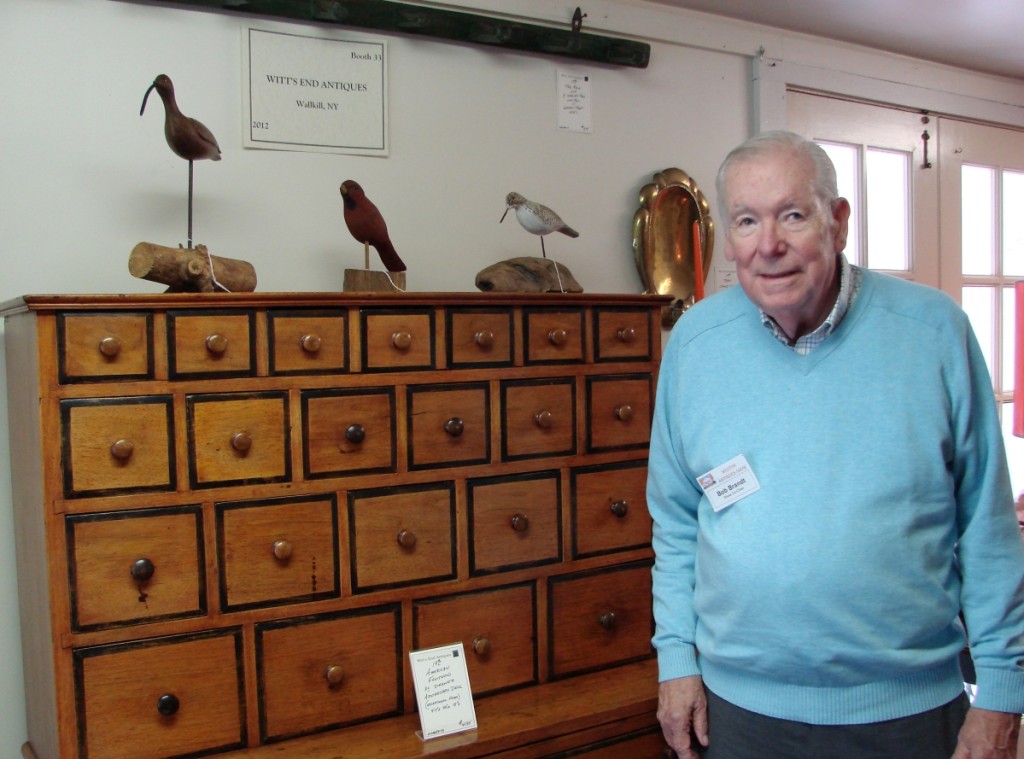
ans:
(728, 483)
(443, 693)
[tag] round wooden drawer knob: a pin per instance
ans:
(311, 343)
(407, 539)
(607, 620)
(334, 675)
(282, 550)
(544, 419)
(520, 522)
(558, 337)
(355, 433)
(110, 346)
(142, 569)
(620, 508)
(216, 344)
(168, 704)
(626, 335)
(484, 338)
(481, 646)
(401, 340)
(624, 412)
(454, 426)
(122, 449)
(241, 442)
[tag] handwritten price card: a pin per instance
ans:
(442, 690)
(316, 94)
(573, 102)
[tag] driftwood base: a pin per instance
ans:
(366, 281)
(187, 270)
(527, 274)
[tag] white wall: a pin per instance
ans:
(83, 178)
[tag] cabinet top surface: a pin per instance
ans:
(324, 299)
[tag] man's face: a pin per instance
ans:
(784, 243)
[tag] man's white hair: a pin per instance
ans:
(823, 184)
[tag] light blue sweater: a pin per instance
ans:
(831, 596)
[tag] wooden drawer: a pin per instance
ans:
(277, 551)
(130, 567)
(117, 445)
(479, 337)
(554, 336)
(599, 618)
(402, 535)
(609, 509)
(514, 521)
(322, 672)
(622, 334)
(348, 431)
(642, 744)
(397, 339)
(99, 346)
(162, 697)
(618, 412)
(238, 438)
(497, 628)
(308, 342)
(538, 418)
(211, 343)
(449, 425)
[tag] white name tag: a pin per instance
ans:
(728, 483)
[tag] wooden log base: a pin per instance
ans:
(366, 281)
(187, 270)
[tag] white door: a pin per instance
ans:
(952, 218)
(981, 182)
(879, 153)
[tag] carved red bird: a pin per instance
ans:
(367, 225)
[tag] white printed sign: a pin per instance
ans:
(315, 94)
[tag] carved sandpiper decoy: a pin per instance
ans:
(188, 138)
(367, 225)
(535, 218)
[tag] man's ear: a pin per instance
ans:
(727, 250)
(841, 219)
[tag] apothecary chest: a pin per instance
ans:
(236, 514)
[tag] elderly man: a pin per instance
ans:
(829, 492)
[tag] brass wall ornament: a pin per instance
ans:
(673, 240)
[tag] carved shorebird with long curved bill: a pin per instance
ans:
(187, 138)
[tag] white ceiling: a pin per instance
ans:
(982, 35)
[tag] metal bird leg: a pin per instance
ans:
(190, 204)
(209, 258)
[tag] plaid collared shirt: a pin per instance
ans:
(849, 286)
